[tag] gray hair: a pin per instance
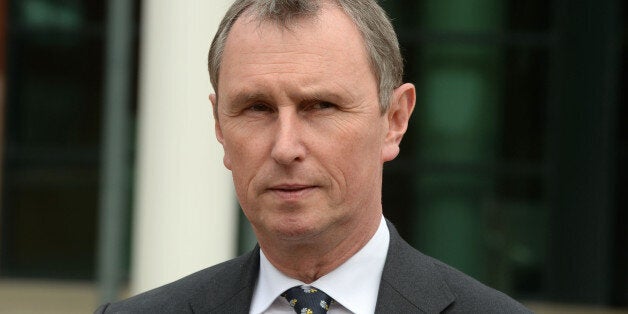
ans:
(379, 36)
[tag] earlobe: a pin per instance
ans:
(218, 130)
(398, 115)
(212, 99)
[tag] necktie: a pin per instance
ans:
(307, 300)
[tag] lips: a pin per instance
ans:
(291, 191)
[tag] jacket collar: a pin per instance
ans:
(230, 288)
(411, 281)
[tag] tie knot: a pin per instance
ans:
(307, 300)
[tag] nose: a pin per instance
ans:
(288, 146)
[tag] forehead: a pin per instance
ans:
(325, 48)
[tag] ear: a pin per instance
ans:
(398, 115)
(218, 130)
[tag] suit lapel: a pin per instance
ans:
(410, 281)
(230, 290)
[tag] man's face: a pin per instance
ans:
(300, 124)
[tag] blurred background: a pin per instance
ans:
(514, 168)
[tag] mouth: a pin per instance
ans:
(292, 191)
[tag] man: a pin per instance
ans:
(309, 104)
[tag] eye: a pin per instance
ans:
(259, 107)
(321, 105)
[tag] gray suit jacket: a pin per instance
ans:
(411, 283)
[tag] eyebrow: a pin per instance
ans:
(246, 97)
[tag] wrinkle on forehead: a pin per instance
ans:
(291, 28)
(318, 58)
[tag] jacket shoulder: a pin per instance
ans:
(208, 288)
(472, 296)
(425, 284)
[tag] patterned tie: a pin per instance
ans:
(307, 300)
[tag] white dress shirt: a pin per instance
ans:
(354, 285)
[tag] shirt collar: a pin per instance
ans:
(354, 284)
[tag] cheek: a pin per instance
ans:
(243, 181)
(243, 157)
(242, 144)
(353, 158)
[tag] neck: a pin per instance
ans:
(309, 260)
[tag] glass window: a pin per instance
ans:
(508, 166)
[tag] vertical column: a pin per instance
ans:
(581, 151)
(185, 213)
(458, 109)
(115, 153)
(3, 69)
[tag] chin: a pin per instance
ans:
(292, 230)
